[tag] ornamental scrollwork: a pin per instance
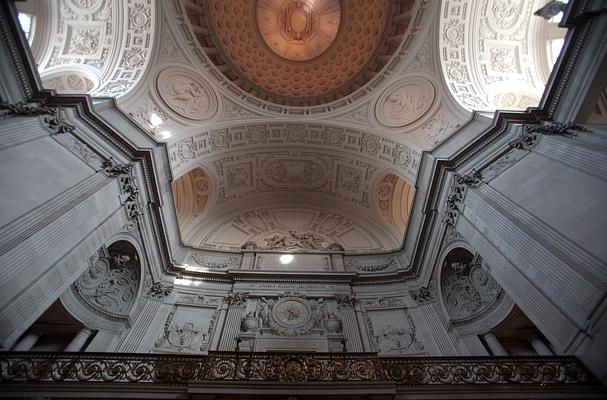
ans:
(109, 285)
(158, 369)
(52, 120)
(158, 290)
(455, 201)
(128, 186)
(467, 288)
(531, 134)
(237, 299)
(423, 295)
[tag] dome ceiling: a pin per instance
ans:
(299, 52)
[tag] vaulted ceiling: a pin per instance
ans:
(293, 120)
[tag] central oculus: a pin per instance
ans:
(298, 30)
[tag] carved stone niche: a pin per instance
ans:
(109, 286)
(292, 322)
(468, 291)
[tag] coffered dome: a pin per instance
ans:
(299, 52)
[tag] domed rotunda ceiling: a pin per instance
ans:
(300, 52)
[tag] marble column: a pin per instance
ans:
(231, 328)
(79, 340)
(28, 341)
(350, 328)
(539, 346)
(494, 345)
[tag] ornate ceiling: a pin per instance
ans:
(299, 52)
(294, 124)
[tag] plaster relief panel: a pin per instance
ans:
(186, 93)
(70, 82)
(308, 138)
(109, 286)
(467, 289)
(291, 321)
(288, 228)
(187, 329)
(394, 333)
(405, 102)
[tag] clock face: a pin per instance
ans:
(291, 313)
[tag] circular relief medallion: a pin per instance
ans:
(405, 102)
(298, 30)
(291, 313)
(186, 93)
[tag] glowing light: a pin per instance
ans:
(165, 134)
(155, 120)
(286, 258)
(183, 282)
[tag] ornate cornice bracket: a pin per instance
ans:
(159, 291)
(53, 121)
(531, 134)
(237, 299)
(461, 183)
(423, 295)
(128, 185)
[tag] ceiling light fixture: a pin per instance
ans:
(286, 258)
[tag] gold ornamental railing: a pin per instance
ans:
(100, 368)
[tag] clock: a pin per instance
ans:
(291, 313)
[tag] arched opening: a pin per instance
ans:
(497, 55)
(110, 285)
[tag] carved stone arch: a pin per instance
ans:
(488, 54)
(115, 39)
(105, 295)
(469, 297)
(392, 197)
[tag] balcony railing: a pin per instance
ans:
(115, 368)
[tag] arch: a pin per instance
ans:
(98, 47)
(105, 294)
(468, 294)
(492, 53)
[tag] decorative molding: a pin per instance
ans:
(371, 265)
(237, 299)
(383, 302)
(468, 290)
(52, 120)
(110, 284)
(423, 295)
(214, 262)
(128, 186)
(158, 290)
(455, 201)
(531, 134)
(399, 340)
(446, 373)
(405, 102)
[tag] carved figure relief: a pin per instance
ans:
(405, 102)
(295, 241)
(110, 284)
(291, 314)
(186, 93)
(467, 288)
